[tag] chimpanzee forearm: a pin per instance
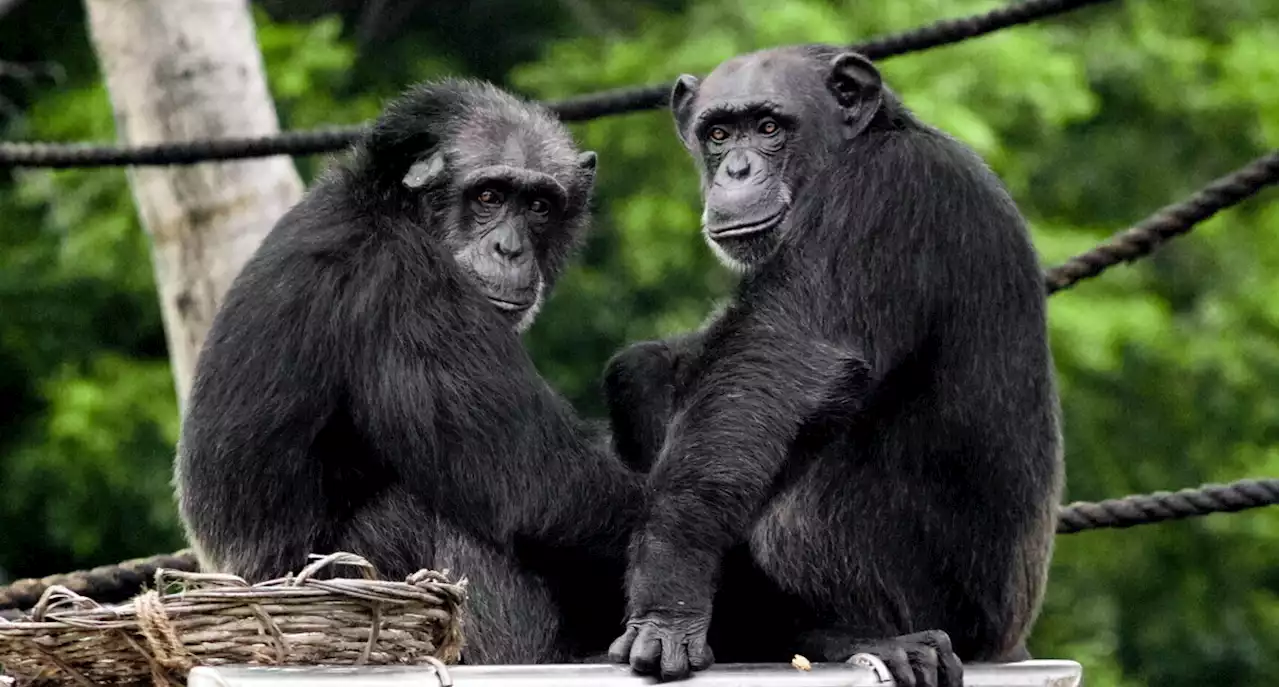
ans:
(723, 452)
(557, 485)
(585, 496)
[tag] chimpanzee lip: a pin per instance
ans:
(509, 306)
(747, 228)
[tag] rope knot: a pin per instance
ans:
(162, 638)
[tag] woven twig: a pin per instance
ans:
(219, 619)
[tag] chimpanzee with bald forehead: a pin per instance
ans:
(861, 453)
(364, 388)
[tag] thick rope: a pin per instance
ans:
(1169, 222)
(950, 31)
(1162, 506)
(581, 108)
(105, 583)
(75, 155)
(934, 35)
(119, 582)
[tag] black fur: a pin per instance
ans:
(360, 391)
(863, 450)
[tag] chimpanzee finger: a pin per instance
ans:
(700, 655)
(924, 663)
(620, 650)
(675, 658)
(899, 664)
(950, 670)
(939, 640)
(646, 652)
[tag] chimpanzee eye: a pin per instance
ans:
(539, 206)
(718, 134)
(490, 197)
(768, 127)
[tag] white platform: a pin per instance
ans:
(1038, 673)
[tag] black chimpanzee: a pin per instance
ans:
(864, 452)
(364, 387)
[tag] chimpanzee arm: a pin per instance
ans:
(759, 385)
(502, 454)
(723, 452)
(251, 498)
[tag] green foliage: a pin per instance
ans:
(1094, 120)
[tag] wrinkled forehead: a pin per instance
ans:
(786, 79)
(507, 143)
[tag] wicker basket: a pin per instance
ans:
(218, 619)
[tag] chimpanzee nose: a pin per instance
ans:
(508, 245)
(508, 252)
(737, 165)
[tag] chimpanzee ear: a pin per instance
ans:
(682, 96)
(587, 163)
(424, 171)
(856, 85)
(853, 78)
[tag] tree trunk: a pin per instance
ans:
(185, 70)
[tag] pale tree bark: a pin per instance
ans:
(6, 5)
(185, 70)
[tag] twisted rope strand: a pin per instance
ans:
(74, 155)
(1169, 222)
(107, 582)
(125, 579)
(1161, 506)
(579, 108)
(945, 32)
(950, 31)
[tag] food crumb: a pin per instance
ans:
(800, 662)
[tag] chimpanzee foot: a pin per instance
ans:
(922, 659)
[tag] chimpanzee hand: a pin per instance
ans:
(923, 659)
(639, 387)
(668, 644)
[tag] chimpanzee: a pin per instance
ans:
(364, 387)
(863, 452)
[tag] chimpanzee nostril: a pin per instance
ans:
(507, 251)
(508, 245)
(737, 165)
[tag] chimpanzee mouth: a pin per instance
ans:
(748, 228)
(510, 306)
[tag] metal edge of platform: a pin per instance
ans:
(1034, 673)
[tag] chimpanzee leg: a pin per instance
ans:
(858, 590)
(511, 616)
(392, 532)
